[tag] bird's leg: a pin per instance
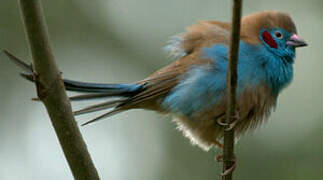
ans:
(219, 158)
(232, 168)
(218, 144)
(236, 118)
(220, 120)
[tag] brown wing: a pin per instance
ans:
(160, 83)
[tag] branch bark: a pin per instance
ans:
(51, 91)
(232, 79)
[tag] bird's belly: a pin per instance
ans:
(254, 106)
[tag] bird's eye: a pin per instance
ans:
(278, 34)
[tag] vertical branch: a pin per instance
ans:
(51, 92)
(232, 78)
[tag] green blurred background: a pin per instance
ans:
(121, 41)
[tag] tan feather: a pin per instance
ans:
(252, 24)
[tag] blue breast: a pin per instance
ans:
(203, 86)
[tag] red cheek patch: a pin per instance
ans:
(266, 36)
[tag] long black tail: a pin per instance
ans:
(90, 91)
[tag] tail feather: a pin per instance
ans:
(92, 90)
(98, 107)
(89, 96)
(103, 89)
(26, 67)
(110, 113)
(107, 89)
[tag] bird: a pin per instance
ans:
(192, 89)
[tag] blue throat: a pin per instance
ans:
(205, 85)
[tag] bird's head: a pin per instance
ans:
(273, 29)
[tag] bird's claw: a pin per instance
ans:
(218, 144)
(220, 121)
(230, 170)
(219, 158)
(229, 126)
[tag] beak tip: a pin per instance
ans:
(296, 41)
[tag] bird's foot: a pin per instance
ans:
(220, 157)
(218, 144)
(229, 126)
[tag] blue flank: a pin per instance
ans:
(204, 86)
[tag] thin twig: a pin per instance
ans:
(51, 92)
(229, 159)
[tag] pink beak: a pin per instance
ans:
(296, 41)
